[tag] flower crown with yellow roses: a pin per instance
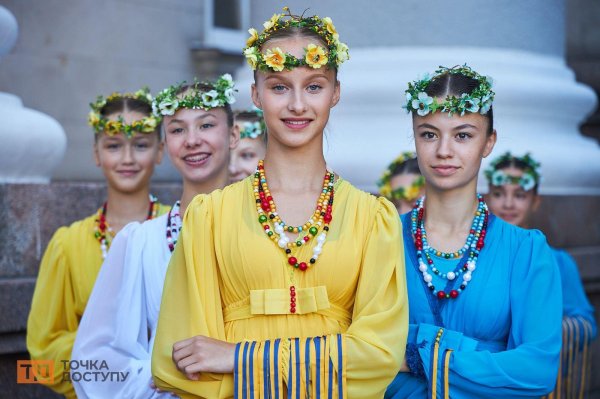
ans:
(219, 93)
(111, 127)
(530, 178)
(479, 100)
(315, 56)
(409, 193)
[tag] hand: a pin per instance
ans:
(202, 354)
(404, 367)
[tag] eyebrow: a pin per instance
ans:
(465, 126)
(427, 125)
(206, 115)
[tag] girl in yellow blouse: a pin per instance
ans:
(127, 147)
(259, 301)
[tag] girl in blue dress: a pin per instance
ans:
(513, 196)
(484, 295)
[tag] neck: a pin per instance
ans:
(450, 210)
(123, 208)
(295, 169)
(191, 188)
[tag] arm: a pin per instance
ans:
(53, 319)
(114, 326)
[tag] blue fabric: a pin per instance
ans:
(413, 360)
(575, 302)
(504, 328)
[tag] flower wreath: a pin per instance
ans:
(252, 130)
(315, 56)
(479, 100)
(408, 193)
(529, 179)
(221, 92)
(111, 127)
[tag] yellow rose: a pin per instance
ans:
(272, 22)
(342, 52)
(315, 56)
(251, 55)
(275, 59)
(93, 118)
(112, 127)
(149, 124)
(411, 192)
(330, 28)
(253, 37)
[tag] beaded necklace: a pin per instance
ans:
(173, 226)
(316, 226)
(101, 228)
(474, 244)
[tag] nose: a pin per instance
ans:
(509, 201)
(297, 103)
(128, 154)
(444, 149)
(192, 138)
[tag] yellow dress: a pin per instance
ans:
(227, 280)
(65, 280)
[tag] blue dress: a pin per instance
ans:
(501, 337)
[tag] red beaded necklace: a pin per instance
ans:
(316, 226)
(102, 228)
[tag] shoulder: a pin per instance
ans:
(364, 202)
(77, 231)
(515, 237)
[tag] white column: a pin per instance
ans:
(32, 143)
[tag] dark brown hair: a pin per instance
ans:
(409, 166)
(454, 84)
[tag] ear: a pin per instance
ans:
(255, 96)
(234, 136)
(490, 143)
(160, 152)
(336, 93)
(96, 153)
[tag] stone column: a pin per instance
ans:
(538, 107)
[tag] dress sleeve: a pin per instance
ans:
(529, 366)
(191, 305)
(357, 364)
(116, 330)
(575, 303)
(53, 319)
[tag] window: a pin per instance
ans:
(224, 24)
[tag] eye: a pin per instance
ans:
(496, 194)
(247, 155)
(463, 136)
(112, 146)
(314, 87)
(206, 125)
(520, 195)
(176, 130)
(142, 145)
(278, 88)
(428, 135)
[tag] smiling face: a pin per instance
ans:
(511, 202)
(127, 163)
(296, 103)
(450, 149)
(198, 143)
(245, 157)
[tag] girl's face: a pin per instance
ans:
(450, 149)
(198, 142)
(405, 180)
(295, 103)
(245, 157)
(128, 163)
(511, 202)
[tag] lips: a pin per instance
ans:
(296, 123)
(445, 170)
(128, 173)
(196, 159)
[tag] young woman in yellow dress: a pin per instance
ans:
(252, 146)
(127, 147)
(268, 294)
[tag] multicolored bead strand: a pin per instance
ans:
(101, 228)
(474, 244)
(317, 226)
(173, 226)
